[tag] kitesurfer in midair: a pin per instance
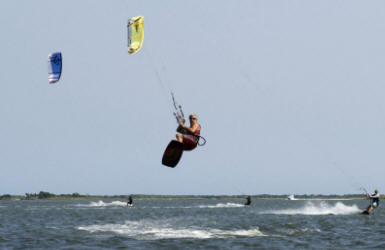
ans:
(189, 136)
(248, 201)
(374, 201)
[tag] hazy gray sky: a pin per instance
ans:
(289, 94)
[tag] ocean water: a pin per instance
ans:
(190, 224)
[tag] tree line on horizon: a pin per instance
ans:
(48, 195)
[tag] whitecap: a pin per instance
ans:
(104, 204)
(222, 205)
(321, 208)
(150, 231)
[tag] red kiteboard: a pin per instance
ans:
(172, 154)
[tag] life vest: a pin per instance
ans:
(191, 141)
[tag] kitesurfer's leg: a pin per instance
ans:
(188, 142)
(179, 138)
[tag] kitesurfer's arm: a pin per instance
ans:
(373, 195)
(189, 130)
(180, 128)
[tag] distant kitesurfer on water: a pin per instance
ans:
(248, 201)
(129, 202)
(189, 136)
(374, 201)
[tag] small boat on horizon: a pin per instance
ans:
(291, 197)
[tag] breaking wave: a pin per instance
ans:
(104, 204)
(221, 205)
(149, 231)
(322, 208)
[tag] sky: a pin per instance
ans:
(289, 95)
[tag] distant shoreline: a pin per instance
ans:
(75, 196)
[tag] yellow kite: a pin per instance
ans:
(135, 29)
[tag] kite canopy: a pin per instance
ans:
(54, 67)
(135, 28)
